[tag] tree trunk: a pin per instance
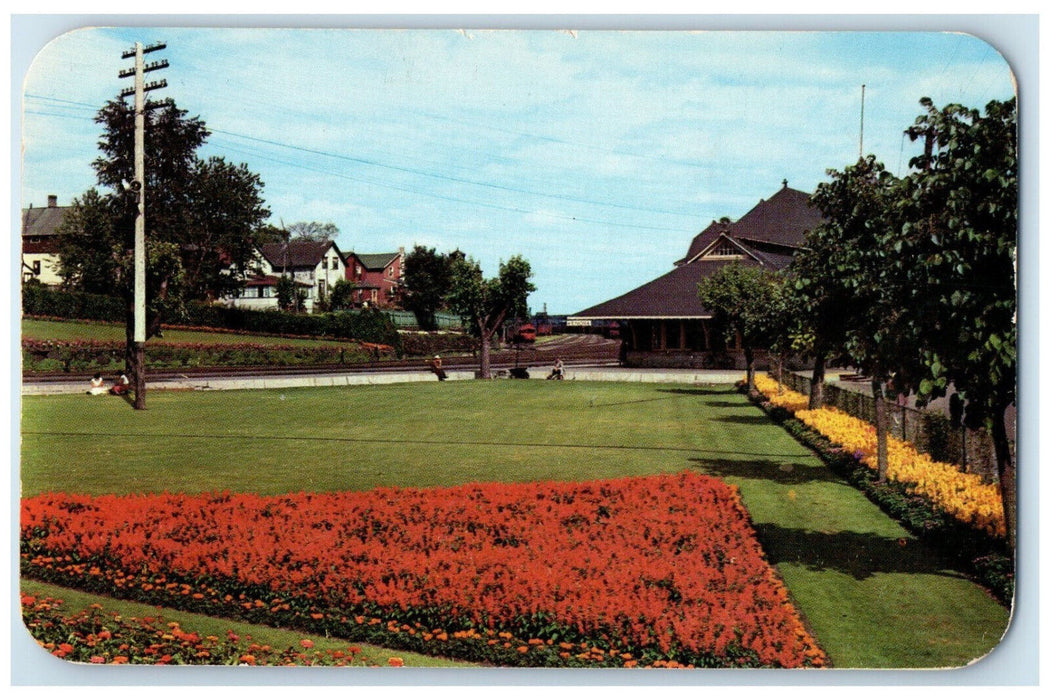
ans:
(881, 432)
(486, 359)
(749, 358)
(816, 385)
(1007, 476)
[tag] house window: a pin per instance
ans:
(324, 263)
(375, 295)
(321, 288)
(36, 267)
(335, 263)
(358, 271)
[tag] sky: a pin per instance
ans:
(596, 155)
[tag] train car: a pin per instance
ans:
(526, 333)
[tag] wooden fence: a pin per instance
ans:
(928, 431)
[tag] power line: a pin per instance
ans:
(450, 178)
(414, 171)
(488, 205)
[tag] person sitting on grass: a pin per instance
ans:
(559, 370)
(435, 367)
(97, 387)
(121, 386)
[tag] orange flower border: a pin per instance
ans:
(662, 570)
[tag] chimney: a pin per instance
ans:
(52, 200)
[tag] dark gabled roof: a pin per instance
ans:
(773, 255)
(376, 261)
(299, 253)
(702, 240)
(768, 235)
(42, 221)
(673, 295)
(784, 218)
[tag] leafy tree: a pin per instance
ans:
(486, 303)
(858, 208)
(958, 248)
(426, 282)
(341, 297)
(745, 300)
(289, 296)
(312, 231)
(211, 209)
(201, 216)
(226, 211)
(91, 244)
(821, 304)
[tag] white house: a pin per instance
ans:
(40, 242)
(314, 265)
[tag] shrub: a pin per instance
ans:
(38, 300)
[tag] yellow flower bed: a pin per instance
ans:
(964, 496)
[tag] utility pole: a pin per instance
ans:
(862, 122)
(138, 186)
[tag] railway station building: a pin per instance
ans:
(663, 324)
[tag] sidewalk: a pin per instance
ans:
(588, 374)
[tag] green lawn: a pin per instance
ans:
(76, 330)
(873, 595)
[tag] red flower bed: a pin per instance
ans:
(668, 564)
(98, 637)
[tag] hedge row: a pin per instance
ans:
(422, 343)
(368, 325)
(103, 356)
(38, 300)
(986, 558)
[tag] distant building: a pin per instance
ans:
(40, 242)
(314, 266)
(663, 322)
(376, 277)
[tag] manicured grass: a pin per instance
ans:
(78, 330)
(873, 595)
(74, 601)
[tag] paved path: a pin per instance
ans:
(616, 374)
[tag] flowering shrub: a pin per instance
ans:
(965, 496)
(615, 572)
(98, 637)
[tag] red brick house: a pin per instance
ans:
(376, 277)
(663, 322)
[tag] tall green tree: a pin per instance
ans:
(485, 303)
(859, 224)
(226, 212)
(210, 209)
(426, 281)
(201, 216)
(821, 303)
(958, 248)
(747, 301)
